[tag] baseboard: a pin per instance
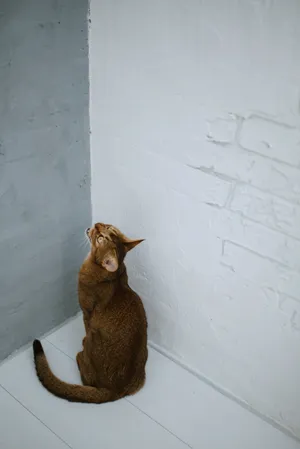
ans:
(188, 368)
(223, 391)
(29, 344)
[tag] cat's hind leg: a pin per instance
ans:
(87, 372)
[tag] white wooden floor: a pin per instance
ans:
(174, 410)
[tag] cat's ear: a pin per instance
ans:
(110, 262)
(130, 244)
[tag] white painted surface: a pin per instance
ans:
(20, 429)
(195, 147)
(174, 410)
(80, 426)
(187, 407)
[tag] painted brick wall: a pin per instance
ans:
(196, 147)
(44, 164)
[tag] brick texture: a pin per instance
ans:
(196, 133)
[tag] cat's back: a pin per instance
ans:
(124, 313)
(128, 306)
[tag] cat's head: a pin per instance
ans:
(109, 246)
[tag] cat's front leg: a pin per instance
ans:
(86, 320)
(86, 302)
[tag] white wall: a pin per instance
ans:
(195, 114)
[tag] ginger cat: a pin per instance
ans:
(112, 362)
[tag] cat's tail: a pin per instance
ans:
(73, 393)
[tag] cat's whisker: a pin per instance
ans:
(84, 242)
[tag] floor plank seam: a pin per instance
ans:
(201, 378)
(131, 403)
(36, 417)
(159, 424)
(227, 394)
(67, 342)
(28, 345)
(60, 350)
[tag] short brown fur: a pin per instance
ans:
(112, 362)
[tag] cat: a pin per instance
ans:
(112, 362)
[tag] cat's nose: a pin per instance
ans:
(87, 230)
